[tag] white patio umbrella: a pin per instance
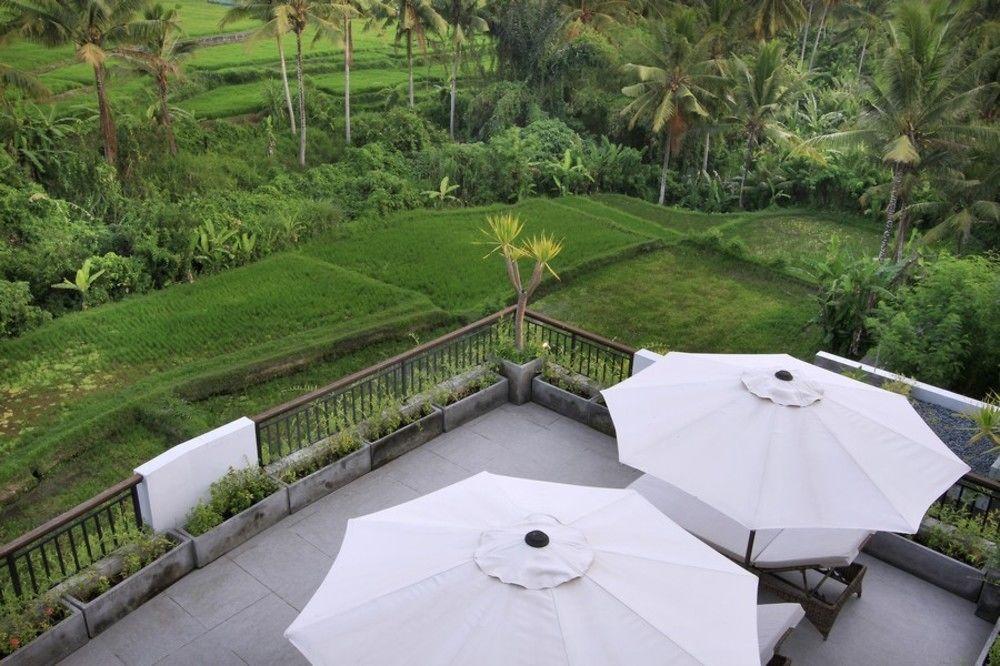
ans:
(775, 442)
(500, 570)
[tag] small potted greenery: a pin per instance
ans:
(39, 629)
(394, 427)
(114, 586)
(571, 394)
(988, 604)
(324, 467)
(468, 396)
(243, 503)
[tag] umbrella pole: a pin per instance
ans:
(753, 535)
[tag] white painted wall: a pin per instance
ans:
(643, 359)
(174, 481)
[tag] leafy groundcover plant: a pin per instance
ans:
(22, 620)
(234, 493)
(337, 446)
(95, 581)
(447, 394)
(390, 414)
(961, 534)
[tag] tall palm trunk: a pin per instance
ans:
(890, 211)
(284, 81)
(663, 172)
(704, 155)
(746, 167)
(454, 93)
(348, 56)
(805, 32)
(168, 120)
(409, 62)
(864, 48)
(108, 133)
(302, 98)
(819, 33)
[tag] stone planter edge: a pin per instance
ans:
(324, 481)
(388, 448)
(945, 572)
(475, 405)
(519, 378)
(55, 644)
(981, 660)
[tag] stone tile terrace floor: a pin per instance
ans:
(235, 610)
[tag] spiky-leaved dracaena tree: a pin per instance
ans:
(92, 27)
(503, 236)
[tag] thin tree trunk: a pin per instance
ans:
(522, 306)
(409, 62)
(864, 48)
(746, 168)
(284, 81)
(901, 232)
(348, 56)
(805, 32)
(168, 121)
(819, 33)
(890, 212)
(108, 133)
(302, 99)
(663, 172)
(454, 94)
(704, 155)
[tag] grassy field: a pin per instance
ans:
(92, 394)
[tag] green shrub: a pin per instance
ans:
(344, 441)
(961, 534)
(142, 550)
(399, 129)
(122, 276)
(22, 619)
(235, 492)
(17, 314)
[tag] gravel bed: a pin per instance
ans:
(955, 432)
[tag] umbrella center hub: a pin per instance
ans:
(536, 553)
(782, 387)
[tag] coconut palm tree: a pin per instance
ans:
(91, 26)
(465, 18)
(414, 19)
(968, 202)
(598, 14)
(275, 24)
(772, 16)
(669, 94)
(920, 104)
(158, 53)
(761, 88)
(15, 79)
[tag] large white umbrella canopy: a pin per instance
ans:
(775, 442)
(507, 571)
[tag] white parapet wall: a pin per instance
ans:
(174, 481)
(921, 391)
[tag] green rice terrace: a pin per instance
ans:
(105, 389)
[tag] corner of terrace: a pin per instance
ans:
(436, 415)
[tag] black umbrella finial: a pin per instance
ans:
(536, 539)
(784, 375)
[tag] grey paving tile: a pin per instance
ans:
(467, 449)
(425, 471)
(151, 632)
(291, 567)
(256, 634)
(217, 592)
(94, 653)
(205, 651)
(504, 426)
(532, 412)
(577, 434)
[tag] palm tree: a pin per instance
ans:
(762, 87)
(464, 18)
(275, 23)
(413, 20)
(91, 26)
(159, 53)
(598, 14)
(968, 203)
(920, 103)
(15, 79)
(772, 16)
(669, 94)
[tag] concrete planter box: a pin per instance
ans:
(957, 577)
(407, 438)
(519, 379)
(988, 604)
(219, 540)
(324, 481)
(55, 644)
(103, 611)
(588, 411)
(475, 405)
(981, 659)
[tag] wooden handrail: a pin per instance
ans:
(78, 511)
(378, 367)
(984, 481)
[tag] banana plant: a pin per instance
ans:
(212, 246)
(83, 280)
(567, 172)
(443, 194)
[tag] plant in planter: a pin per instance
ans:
(93, 581)
(503, 237)
(327, 466)
(898, 385)
(518, 364)
(24, 619)
(988, 604)
(960, 534)
(395, 427)
(985, 421)
(235, 492)
(345, 441)
(468, 396)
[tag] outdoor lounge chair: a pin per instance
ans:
(774, 623)
(799, 565)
